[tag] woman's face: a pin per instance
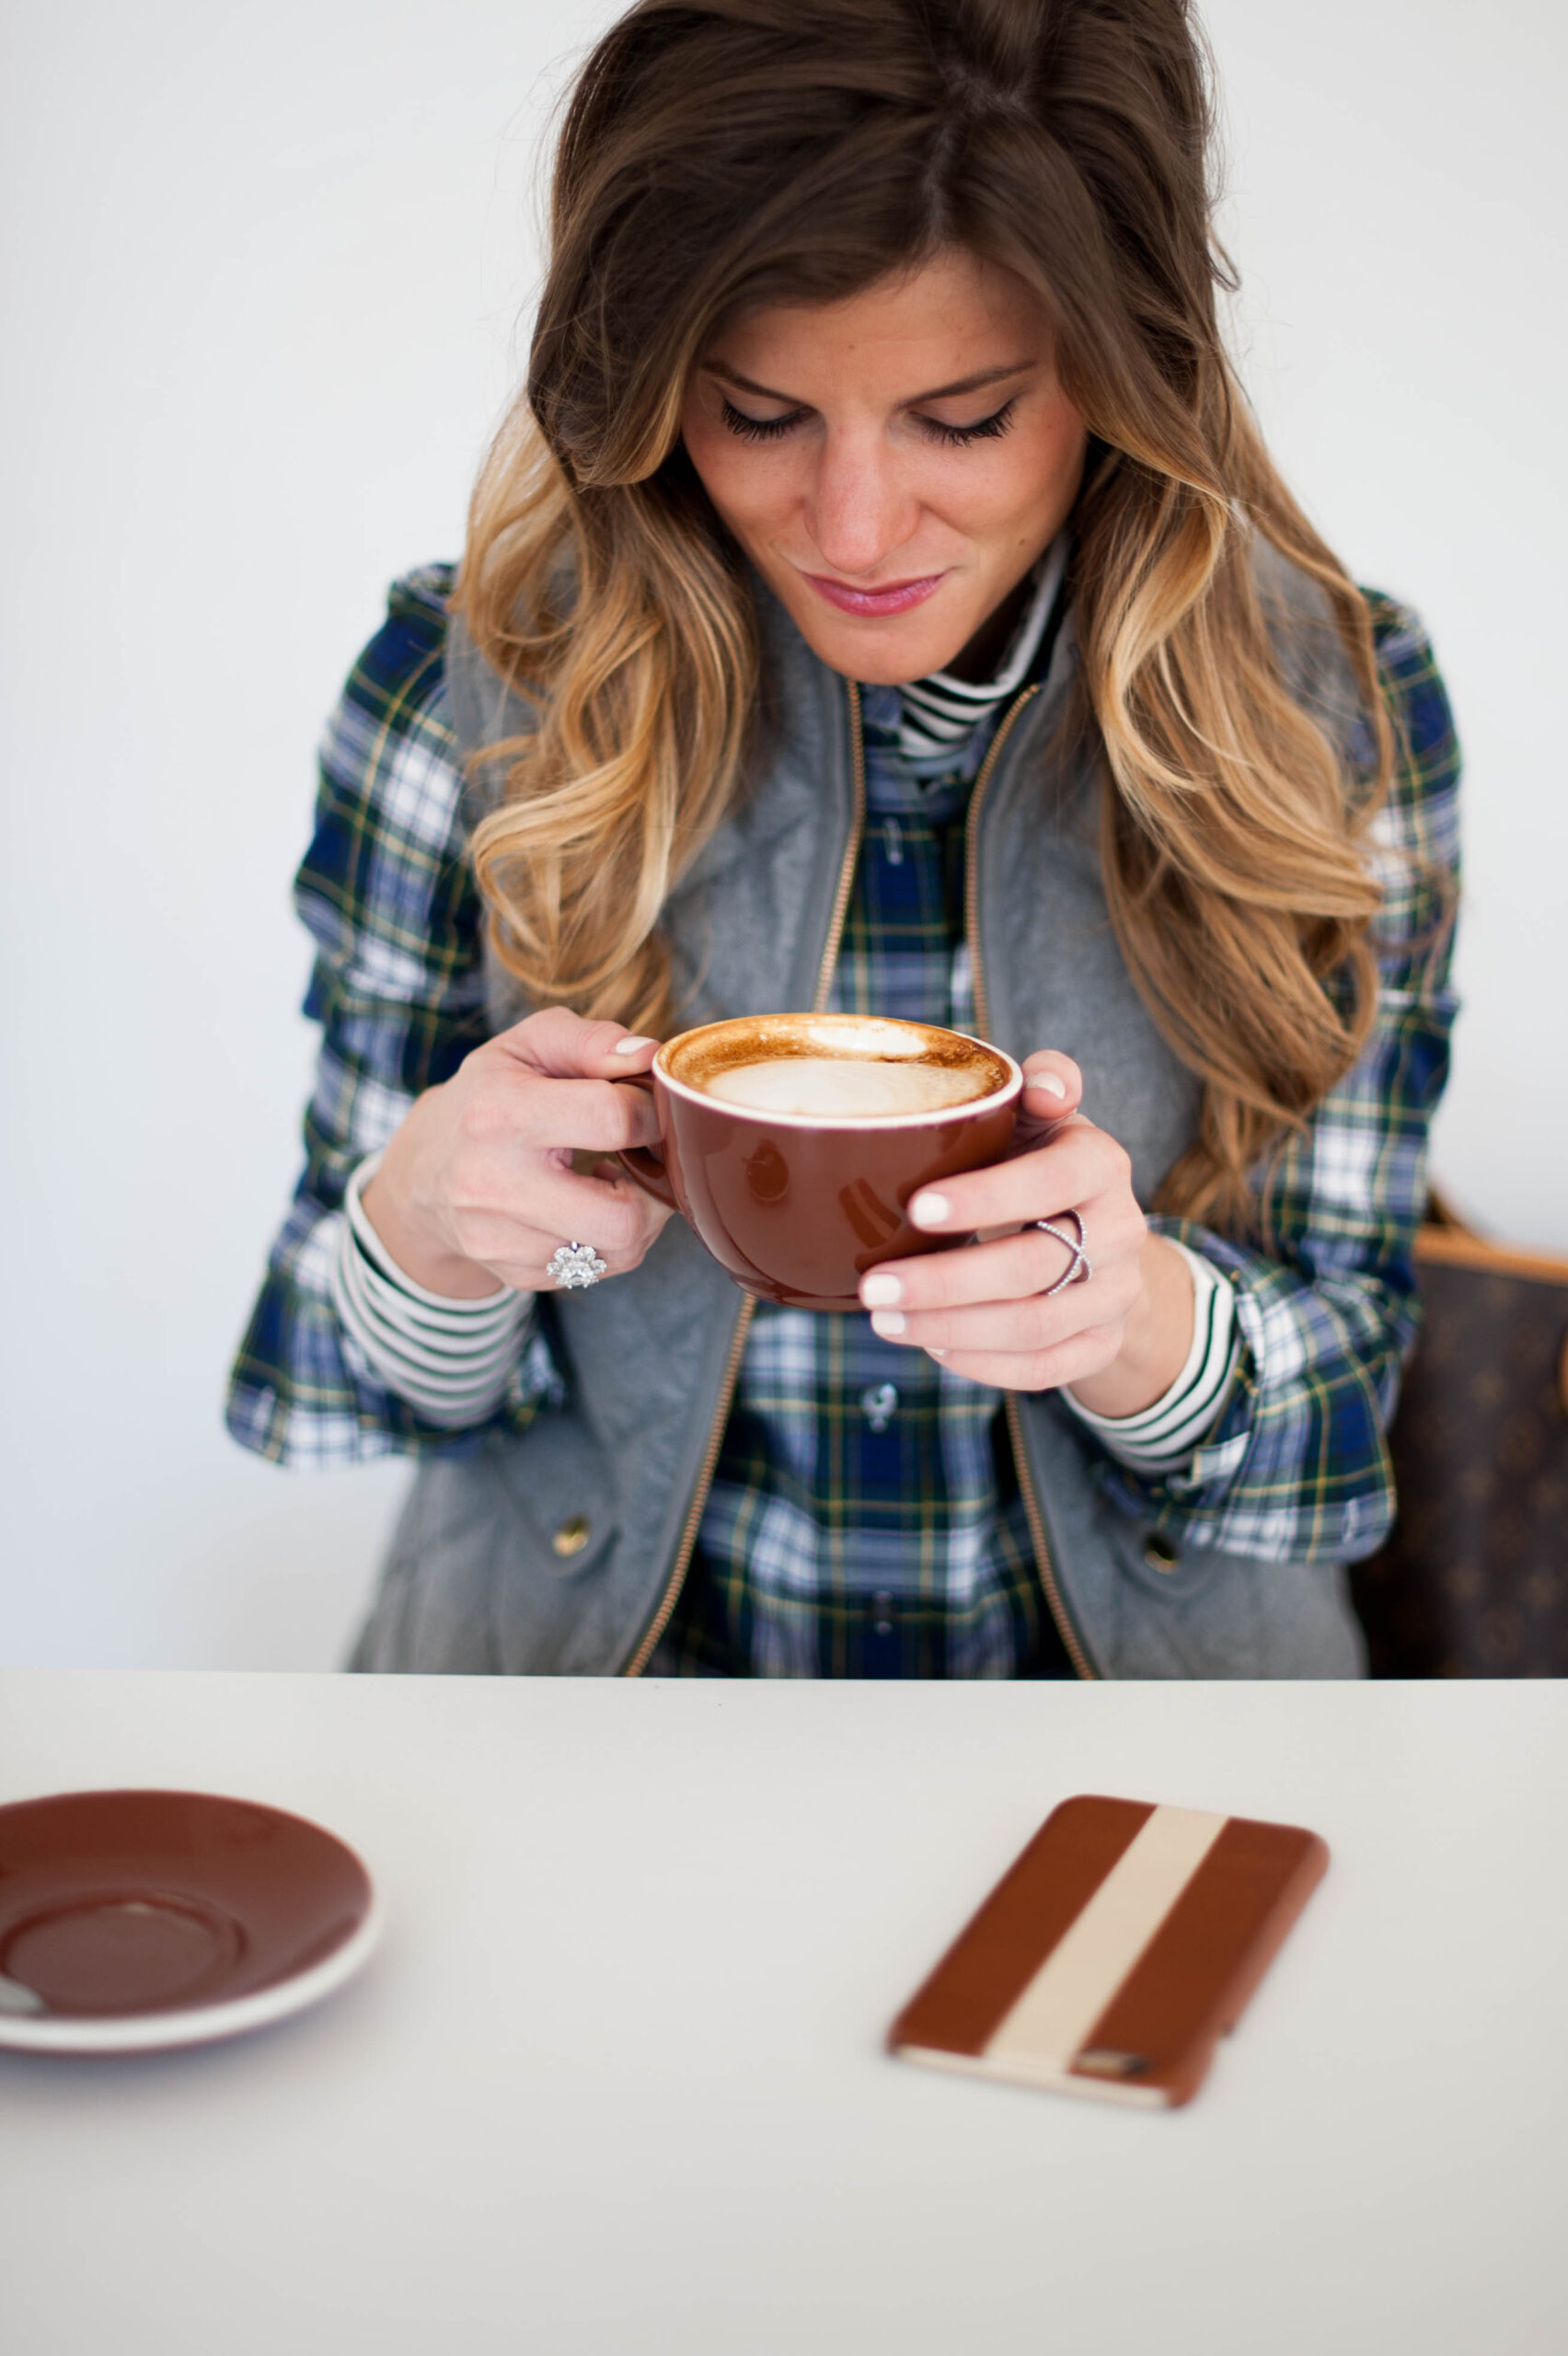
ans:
(892, 464)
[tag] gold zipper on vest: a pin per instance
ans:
(1035, 1518)
(689, 1528)
(660, 1619)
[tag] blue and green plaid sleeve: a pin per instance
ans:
(387, 896)
(1296, 1468)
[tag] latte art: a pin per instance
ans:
(839, 1088)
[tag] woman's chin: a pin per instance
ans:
(883, 651)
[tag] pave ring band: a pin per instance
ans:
(575, 1267)
(1078, 1269)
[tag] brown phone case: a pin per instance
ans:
(1111, 1958)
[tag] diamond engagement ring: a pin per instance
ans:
(577, 1265)
(1078, 1269)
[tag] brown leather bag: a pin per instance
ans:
(1473, 1581)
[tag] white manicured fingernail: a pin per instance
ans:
(881, 1292)
(935, 1354)
(889, 1324)
(930, 1210)
(632, 1047)
(1048, 1081)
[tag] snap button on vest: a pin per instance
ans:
(572, 1535)
(1161, 1555)
(878, 1404)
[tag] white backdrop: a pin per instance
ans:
(265, 275)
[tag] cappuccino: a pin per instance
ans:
(790, 1143)
(848, 1088)
(836, 1069)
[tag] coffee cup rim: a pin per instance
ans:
(858, 1122)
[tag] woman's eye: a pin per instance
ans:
(760, 429)
(952, 437)
(984, 429)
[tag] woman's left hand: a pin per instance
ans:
(985, 1309)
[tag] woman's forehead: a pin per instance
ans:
(949, 322)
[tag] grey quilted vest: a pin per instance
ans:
(476, 1580)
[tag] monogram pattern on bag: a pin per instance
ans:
(1473, 1581)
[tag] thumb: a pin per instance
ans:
(1052, 1091)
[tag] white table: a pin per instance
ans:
(614, 2082)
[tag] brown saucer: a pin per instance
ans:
(132, 1918)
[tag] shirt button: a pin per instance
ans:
(572, 1535)
(883, 1611)
(1160, 1554)
(879, 1405)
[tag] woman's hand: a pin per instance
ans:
(985, 1309)
(477, 1188)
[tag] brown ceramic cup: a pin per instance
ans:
(796, 1204)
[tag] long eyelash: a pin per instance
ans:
(757, 429)
(984, 429)
(954, 437)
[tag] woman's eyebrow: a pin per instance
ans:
(982, 377)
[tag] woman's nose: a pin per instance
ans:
(860, 513)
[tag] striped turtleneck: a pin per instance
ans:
(940, 712)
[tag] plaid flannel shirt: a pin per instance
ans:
(865, 1518)
(1296, 1466)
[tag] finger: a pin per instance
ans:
(1039, 1322)
(514, 1255)
(560, 1045)
(1014, 1268)
(1052, 1091)
(616, 1214)
(518, 1108)
(615, 1263)
(613, 1214)
(1021, 1263)
(1048, 1369)
(1017, 1321)
(1079, 1164)
(523, 1263)
(520, 1255)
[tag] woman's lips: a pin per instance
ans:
(896, 597)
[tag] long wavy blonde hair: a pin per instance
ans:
(722, 154)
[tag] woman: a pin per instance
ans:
(881, 597)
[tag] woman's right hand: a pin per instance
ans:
(477, 1188)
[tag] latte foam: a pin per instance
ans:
(838, 1088)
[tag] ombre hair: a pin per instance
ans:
(720, 154)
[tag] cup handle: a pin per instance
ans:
(640, 1162)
